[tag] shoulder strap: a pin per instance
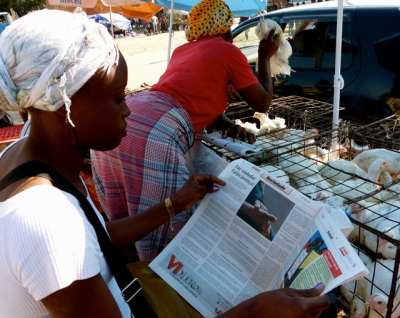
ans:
(130, 286)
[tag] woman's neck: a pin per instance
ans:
(61, 155)
(55, 144)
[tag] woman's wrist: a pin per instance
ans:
(177, 204)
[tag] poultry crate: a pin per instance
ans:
(374, 210)
(373, 207)
(299, 112)
(384, 133)
(307, 121)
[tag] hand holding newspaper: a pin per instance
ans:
(254, 235)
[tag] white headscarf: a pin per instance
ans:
(47, 56)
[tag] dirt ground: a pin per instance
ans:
(147, 56)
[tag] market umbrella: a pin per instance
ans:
(93, 6)
(116, 19)
(99, 19)
(239, 8)
(141, 11)
(120, 4)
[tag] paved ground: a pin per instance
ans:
(147, 56)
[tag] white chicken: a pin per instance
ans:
(314, 186)
(366, 158)
(391, 193)
(382, 165)
(373, 296)
(267, 124)
(250, 127)
(376, 294)
(298, 166)
(276, 172)
(355, 293)
(383, 217)
(353, 189)
(358, 308)
(374, 215)
(315, 152)
(363, 295)
(383, 171)
(380, 245)
(358, 148)
(280, 60)
(341, 170)
(360, 212)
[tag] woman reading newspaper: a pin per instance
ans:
(151, 162)
(55, 249)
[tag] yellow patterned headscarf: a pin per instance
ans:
(208, 18)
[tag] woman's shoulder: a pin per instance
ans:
(42, 204)
(46, 218)
(222, 50)
(48, 240)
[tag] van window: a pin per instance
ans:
(348, 47)
(3, 19)
(314, 43)
(387, 52)
(247, 38)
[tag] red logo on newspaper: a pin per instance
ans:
(343, 250)
(174, 265)
(333, 266)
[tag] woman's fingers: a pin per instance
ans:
(207, 179)
(312, 292)
(315, 305)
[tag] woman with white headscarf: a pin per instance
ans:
(54, 248)
(66, 71)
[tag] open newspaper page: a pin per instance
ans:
(327, 257)
(241, 240)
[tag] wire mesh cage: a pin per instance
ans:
(374, 209)
(298, 112)
(371, 197)
(301, 155)
(307, 121)
(384, 133)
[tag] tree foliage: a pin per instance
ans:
(21, 7)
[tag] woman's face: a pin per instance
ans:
(99, 111)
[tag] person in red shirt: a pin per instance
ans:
(150, 164)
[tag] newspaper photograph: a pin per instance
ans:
(251, 236)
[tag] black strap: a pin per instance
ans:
(130, 286)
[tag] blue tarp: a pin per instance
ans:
(101, 20)
(2, 27)
(240, 8)
(118, 20)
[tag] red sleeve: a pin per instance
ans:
(239, 71)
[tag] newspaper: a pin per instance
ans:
(230, 250)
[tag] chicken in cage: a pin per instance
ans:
(384, 133)
(360, 179)
(374, 206)
(292, 122)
